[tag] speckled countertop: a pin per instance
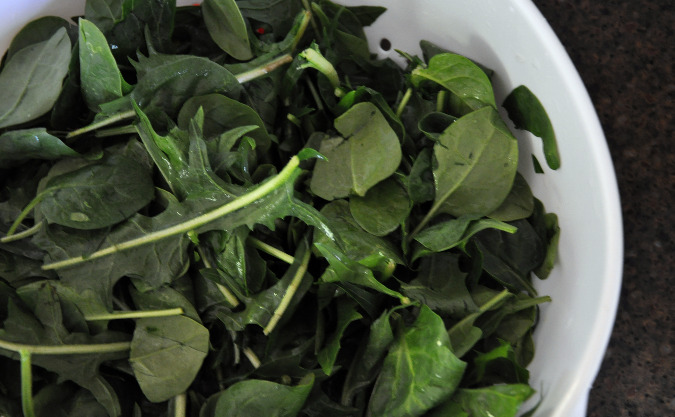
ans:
(623, 51)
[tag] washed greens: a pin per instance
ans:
(234, 209)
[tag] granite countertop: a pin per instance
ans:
(623, 51)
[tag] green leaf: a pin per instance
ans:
(364, 367)
(166, 82)
(528, 113)
(99, 195)
(101, 80)
(519, 204)
(360, 161)
(221, 114)
(455, 232)
(384, 207)
(498, 366)
(227, 27)
(176, 340)
(420, 181)
(31, 80)
(441, 285)
(493, 401)
(36, 143)
(346, 313)
(255, 397)
(419, 372)
(477, 159)
(460, 76)
(36, 31)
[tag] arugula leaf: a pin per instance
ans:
(346, 313)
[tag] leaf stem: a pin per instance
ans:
(239, 202)
(425, 220)
(306, 18)
(440, 100)
(229, 297)
(26, 233)
(404, 102)
(290, 292)
(65, 349)
(180, 405)
(26, 384)
(114, 131)
(263, 70)
(252, 357)
(34, 202)
(270, 250)
(118, 315)
(129, 114)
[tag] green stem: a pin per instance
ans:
(264, 70)
(26, 233)
(180, 405)
(65, 349)
(425, 220)
(189, 225)
(252, 357)
(404, 102)
(115, 131)
(440, 100)
(320, 63)
(270, 250)
(129, 114)
(119, 315)
(306, 18)
(26, 384)
(229, 297)
(290, 292)
(308, 8)
(25, 212)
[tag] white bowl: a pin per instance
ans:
(512, 38)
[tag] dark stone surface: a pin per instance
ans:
(624, 53)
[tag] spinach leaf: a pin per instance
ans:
(31, 80)
(519, 204)
(258, 397)
(97, 196)
(419, 372)
(357, 163)
(460, 76)
(384, 207)
(35, 143)
(441, 285)
(177, 340)
(36, 31)
(227, 27)
(528, 113)
(496, 400)
(100, 78)
(477, 158)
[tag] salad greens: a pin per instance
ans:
(235, 209)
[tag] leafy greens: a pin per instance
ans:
(234, 209)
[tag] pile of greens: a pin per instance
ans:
(235, 209)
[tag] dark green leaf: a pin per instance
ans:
(460, 76)
(477, 158)
(31, 80)
(419, 372)
(227, 27)
(100, 78)
(384, 207)
(176, 340)
(346, 313)
(528, 113)
(256, 397)
(358, 162)
(22, 145)
(519, 204)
